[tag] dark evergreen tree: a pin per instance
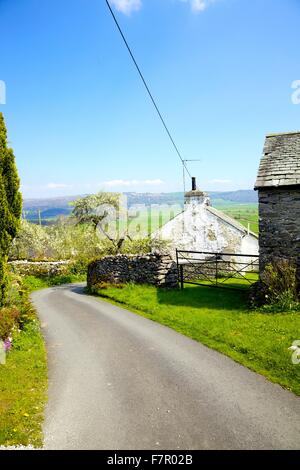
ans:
(10, 203)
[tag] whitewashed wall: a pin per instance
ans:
(200, 228)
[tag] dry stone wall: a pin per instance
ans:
(153, 269)
(39, 269)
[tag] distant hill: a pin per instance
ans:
(239, 197)
(48, 203)
(243, 196)
(47, 209)
(50, 208)
(154, 198)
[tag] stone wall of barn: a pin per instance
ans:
(154, 269)
(279, 224)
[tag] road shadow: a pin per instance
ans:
(79, 288)
(205, 297)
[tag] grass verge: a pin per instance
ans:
(220, 319)
(23, 389)
(23, 379)
(33, 283)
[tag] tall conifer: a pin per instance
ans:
(10, 203)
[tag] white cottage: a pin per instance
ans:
(201, 227)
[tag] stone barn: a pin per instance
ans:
(200, 227)
(278, 186)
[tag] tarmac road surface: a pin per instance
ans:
(120, 381)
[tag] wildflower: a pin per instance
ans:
(7, 344)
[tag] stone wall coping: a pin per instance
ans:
(145, 256)
(39, 262)
(275, 134)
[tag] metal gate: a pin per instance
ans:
(212, 269)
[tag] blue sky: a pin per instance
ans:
(79, 119)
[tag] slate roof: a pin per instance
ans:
(280, 163)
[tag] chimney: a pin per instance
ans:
(195, 196)
(194, 185)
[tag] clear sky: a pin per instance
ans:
(79, 119)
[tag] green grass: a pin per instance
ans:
(34, 283)
(23, 389)
(23, 379)
(229, 281)
(220, 319)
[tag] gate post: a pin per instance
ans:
(181, 277)
(298, 275)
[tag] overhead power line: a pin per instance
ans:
(147, 88)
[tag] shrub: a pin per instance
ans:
(9, 318)
(279, 283)
(32, 242)
(17, 310)
(102, 285)
(64, 241)
(79, 243)
(79, 266)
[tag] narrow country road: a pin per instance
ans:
(120, 381)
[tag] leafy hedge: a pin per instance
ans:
(17, 310)
(9, 318)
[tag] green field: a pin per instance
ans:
(147, 221)
(244, 213)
